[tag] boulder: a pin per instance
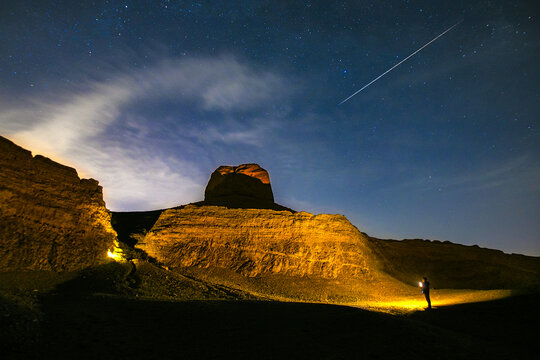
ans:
(243, 186)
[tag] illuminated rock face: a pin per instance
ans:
(49, 218)
(243, 186)
(253, 242)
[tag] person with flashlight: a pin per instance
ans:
(425, 290)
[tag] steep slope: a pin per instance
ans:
(49, 218)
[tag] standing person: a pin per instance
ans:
(425, 290)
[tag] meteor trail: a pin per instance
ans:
(399, 63)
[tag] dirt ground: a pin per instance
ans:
(98, 316)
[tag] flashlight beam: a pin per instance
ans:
(399, 63)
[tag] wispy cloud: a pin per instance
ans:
(519, 174)
(137, 171)
(255, 133)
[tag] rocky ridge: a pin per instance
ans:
(253, 242)
(50, 219)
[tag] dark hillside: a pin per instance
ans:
(455, 266)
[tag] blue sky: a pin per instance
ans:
(149, 97)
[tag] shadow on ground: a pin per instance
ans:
(513, 323)
(107, 327)
(103, 314)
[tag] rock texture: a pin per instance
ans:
(253, 242)
(49, 218)
(243, 186)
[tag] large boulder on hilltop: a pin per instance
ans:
(243, 186)
(50, 219)
(247, 182)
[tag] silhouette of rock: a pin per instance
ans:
(456, 266)
(49, 218)
(244, 186)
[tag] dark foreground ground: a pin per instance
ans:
(89, 319)
(102, 327)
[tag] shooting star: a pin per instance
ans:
(399, 63)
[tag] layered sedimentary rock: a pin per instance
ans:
(253, 242)
(49, 218)
(243, 186)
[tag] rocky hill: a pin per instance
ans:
(50, 219)
(260, 241)
(271, 253)
(245, 186)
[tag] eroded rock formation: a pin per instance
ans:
(259, 241)
(49, 218)
(244, 186)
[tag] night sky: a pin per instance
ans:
(149, 97)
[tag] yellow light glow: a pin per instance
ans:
(443, 297)
(420, 284)
(116, 253)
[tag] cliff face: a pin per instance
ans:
(49, 218)
(259, 241)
